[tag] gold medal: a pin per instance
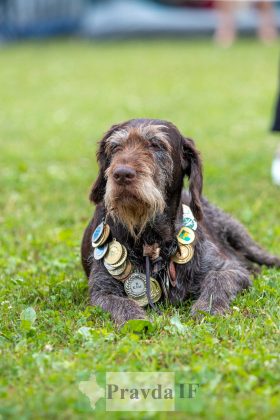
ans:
(106, 234)
(135, 288)
(186, 236)
(183, 255)
(117, 271)
(142, 301)
(103, 238)
(114, 253)
(155, 294)
(155, 290)
(108, 266)
(121, 260)
(126, 272)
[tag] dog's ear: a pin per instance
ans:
(98, 189)
(192, 167)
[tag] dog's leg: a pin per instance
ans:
(232, 233)
(240, 240)
(218, 279)
(109, 294)
(219, 288)
(121, 309)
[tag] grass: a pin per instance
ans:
(57, 99)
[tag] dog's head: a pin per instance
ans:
(142, 164)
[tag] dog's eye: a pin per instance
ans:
(155, 144)
(115, 148)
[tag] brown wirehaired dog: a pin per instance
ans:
(139, 190)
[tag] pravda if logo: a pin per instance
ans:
(139, 391)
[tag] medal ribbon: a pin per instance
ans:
(153, 252)
(148, 285)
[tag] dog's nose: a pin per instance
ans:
(124, 175)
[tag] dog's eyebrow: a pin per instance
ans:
(155, 131)
(147, 132)
(117, 137)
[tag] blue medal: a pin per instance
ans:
(100, 251)
(97, 233)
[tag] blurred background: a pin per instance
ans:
(125, 18)
(69, 69)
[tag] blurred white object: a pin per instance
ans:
(275, 168)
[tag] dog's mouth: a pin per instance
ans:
(128, 197)
(133, 204)
(125, 192)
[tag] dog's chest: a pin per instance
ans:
(150, 269)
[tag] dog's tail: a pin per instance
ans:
(231, 232)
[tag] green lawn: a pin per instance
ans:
(57, 99)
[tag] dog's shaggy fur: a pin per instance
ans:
(140, 188)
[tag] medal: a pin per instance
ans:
(143, 301)
(97, 233)
(189, 222)
(155, 290)
(135, 286)
(187, 211)
(121, 260)
(115, 252)
(125, 274)
(104, 236)
(155, 294)
(100, 251)
(186, 236)
(183, 255)
(117, 271)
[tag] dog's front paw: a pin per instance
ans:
(210, 306)
(130, 310)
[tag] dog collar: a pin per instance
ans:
(139, 286)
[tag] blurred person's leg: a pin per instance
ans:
(267, 30)
(275, 169)
(226, 30)
(276, 121)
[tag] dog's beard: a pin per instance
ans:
(134, 208)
